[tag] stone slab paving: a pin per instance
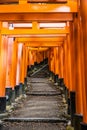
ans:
(37, 107)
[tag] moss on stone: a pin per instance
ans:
(69, 128)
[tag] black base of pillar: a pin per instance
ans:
(1, 127)
(46, 61)
(17, 91)
(24, 89)
(68, 102)
(50, 74)
(25, 81)
(25, 85)
(66, 92)
(32, 67)
(8, 95)
(13, 96)
(27, 68)
(77, 120)
(83, 126)
(2, 104)
(55, 78)
(20, 88)
(72, 106)
(35, 64)
(60, 82)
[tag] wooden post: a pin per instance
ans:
(52, 64)
(75, 75)
(9, 71)
(83, 19)
(14, 68)
(18, 73)
(22, 65)
(26, 62)
(78, 72)
(22, 70)
(56, 64)
(3, 67)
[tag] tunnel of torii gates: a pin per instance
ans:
(65, 47)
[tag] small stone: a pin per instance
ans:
(69, 123)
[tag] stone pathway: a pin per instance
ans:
(43, 109)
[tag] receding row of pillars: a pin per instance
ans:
(67, 65)
(69, 62)
(15, 58)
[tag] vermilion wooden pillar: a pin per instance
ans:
(32, 52)
(9, 71)
(26, 61)
(56, 64)
(62, 61)
(83, 19)
(65, 67)
(49, 60)
(18, 71)
(67, 70)
(41, 56)
(78, 72)
(14, 68)
(72, 69)
(53, 64)
(35, 57)
(31, 61)
(29, 58)
(22, 70)
(3, 66)
(75, 75)
(60, 56)
(38, 57)
(25, 67)
(69, 62)
(22, 65)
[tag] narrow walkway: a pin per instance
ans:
(43, 108)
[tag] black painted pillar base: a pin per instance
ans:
(77, 120)
(52, 76)
(20, 89)
(45, 60)
(25, 85)
(66, 92)
(1, 127)
(72, 106)
(8, 96)
(32, 67)
(13, 96)
(35, 64)
(83, 126)
(25, 81)
(61, 82)
(27, 69)
(17, 91)
(49, 73)
(2, 104)
(68, 109)
(23, 88)
(56, 78)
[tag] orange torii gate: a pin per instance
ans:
(69, 52)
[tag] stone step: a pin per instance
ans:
(51, 120)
